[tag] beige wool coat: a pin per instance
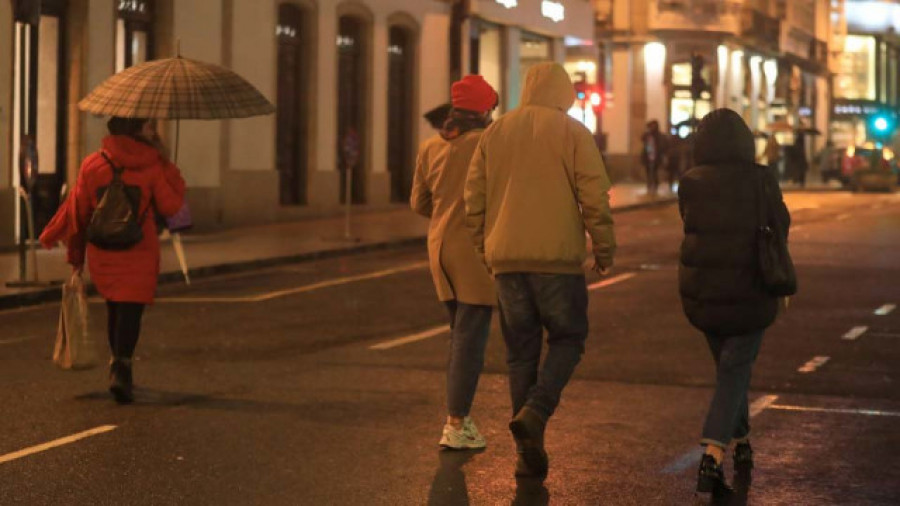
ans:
(437, 193)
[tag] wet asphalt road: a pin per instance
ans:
(262, 388)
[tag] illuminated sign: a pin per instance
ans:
(554, 11)
(509, 4)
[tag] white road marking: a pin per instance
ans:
(691, 457)
(885, 309)
(17, 340)
(855, 332)
(31, 450)
(612, 281)
(436, 331)
(294, 291)
(814, 364)
(869, 412)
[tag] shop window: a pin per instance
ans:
(399, 126)
(134, 33)
(291, 114)
(857, 76)
(533, 49)
(352, 48)
(39, 105)
(486, 48)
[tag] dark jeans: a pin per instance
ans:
(728, 417)
(470, 326)
(652, 170)
(123, 327)
(529, 303)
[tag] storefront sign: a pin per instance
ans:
(509, 4)
(553, 10)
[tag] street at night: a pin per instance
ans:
(324, 383)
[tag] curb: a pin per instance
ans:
(35, 297)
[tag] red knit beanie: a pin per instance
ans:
(473, 93)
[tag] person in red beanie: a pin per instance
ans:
(460, 278)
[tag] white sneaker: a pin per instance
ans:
(461, 439)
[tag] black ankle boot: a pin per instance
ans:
(743, 457)
(711, 477)
(527, 428)
(120, 380)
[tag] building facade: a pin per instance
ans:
(341, 73)
(766, 59)
(866, 73)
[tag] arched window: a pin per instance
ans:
(134, 33)
(291, 115)
(352, 52)
(400, 106)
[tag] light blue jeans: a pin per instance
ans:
(729, 413)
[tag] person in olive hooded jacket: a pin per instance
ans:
(719, 278)
(535, 184)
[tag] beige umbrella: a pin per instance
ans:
(176, 88)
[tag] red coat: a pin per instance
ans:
(129, 275)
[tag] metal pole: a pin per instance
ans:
(32, 250)
(348, 200)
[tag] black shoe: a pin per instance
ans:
(743, 457)
(527, 428)
(711, 477)
(120, 380)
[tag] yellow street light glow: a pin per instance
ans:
(654, 52)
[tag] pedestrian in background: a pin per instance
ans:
(536, 182)
(653, 154)
(719, 278)
(797, 161)
(125, 278)
(460, 277)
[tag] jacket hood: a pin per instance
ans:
(723, 136)
(129, 152)
(548, 85)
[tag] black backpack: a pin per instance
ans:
(114, 224)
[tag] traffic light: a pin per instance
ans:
(881, 125)
(698, 85)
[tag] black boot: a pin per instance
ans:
(711, 477)
(743, 457)
(120, 380)
(527, 428)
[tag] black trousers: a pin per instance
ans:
(123, 327)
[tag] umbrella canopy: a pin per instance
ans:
(176, 88)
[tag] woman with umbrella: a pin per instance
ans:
(126, 278)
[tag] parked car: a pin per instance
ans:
(868, 168)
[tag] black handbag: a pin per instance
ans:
(776, 268)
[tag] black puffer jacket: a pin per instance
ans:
(719, 278)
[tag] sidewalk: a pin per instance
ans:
(248, 248)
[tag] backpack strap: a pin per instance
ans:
(117, 176)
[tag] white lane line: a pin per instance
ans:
(692, 457)
(436, 331)
(814, 364)
(31, 450)
(611, 281)
(885, 309)
(300, 289)
(869, 412)
(842, 217)
(854, 333)
(17, 340)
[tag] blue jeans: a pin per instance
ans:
(729, 417)
(529, 303)
(470, 326)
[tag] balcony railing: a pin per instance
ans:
(761, 29)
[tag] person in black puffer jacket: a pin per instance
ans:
(719, 278)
